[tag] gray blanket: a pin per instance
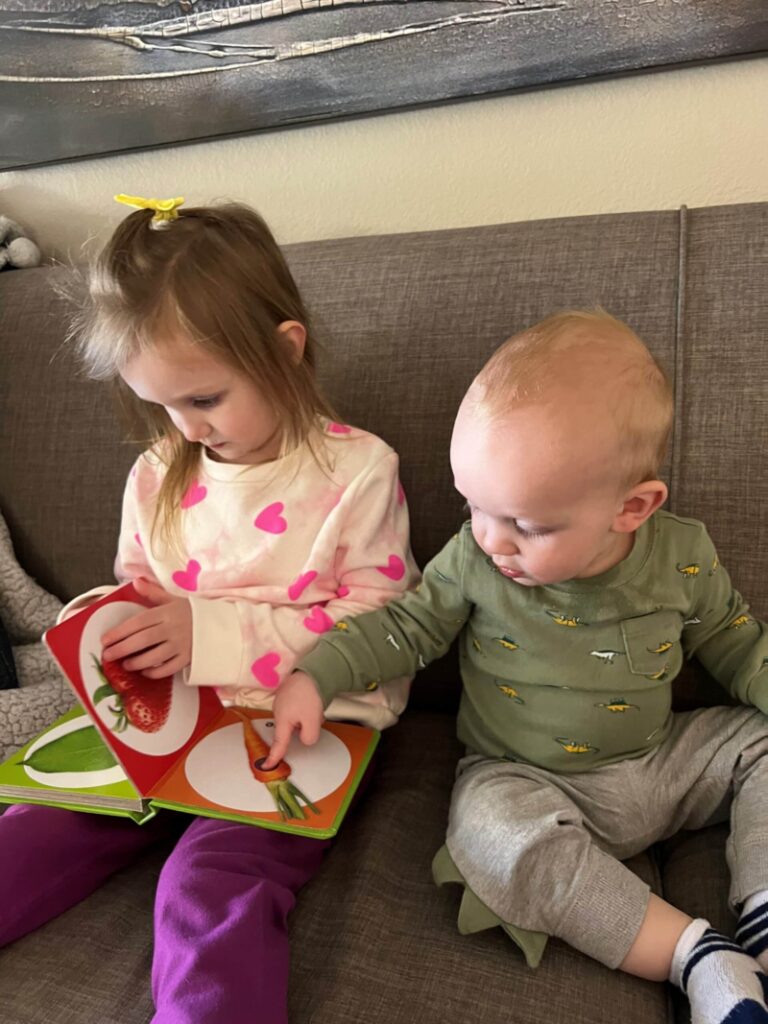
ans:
(27, 611)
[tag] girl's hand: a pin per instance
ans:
(157, 641)
(297, 707)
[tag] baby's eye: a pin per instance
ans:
(531, 533)
(206, 403)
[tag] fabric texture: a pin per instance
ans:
(571, 675)
(26, 611)
(8, 677)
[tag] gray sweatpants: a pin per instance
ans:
(544, 851)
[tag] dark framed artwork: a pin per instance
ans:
(86, 77)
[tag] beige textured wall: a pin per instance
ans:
(697, 136)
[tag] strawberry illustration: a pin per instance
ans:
(138, 701)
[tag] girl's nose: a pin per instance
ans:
(193, 429)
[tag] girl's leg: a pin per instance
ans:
(51, 859)
(221, 943)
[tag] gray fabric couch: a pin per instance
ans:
(407, 320)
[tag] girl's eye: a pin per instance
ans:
(205, 403)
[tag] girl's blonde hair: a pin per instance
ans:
(217, 277)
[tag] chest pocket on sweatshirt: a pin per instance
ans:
(649, 641)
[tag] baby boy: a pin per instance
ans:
(577, 599)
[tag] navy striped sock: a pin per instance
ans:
(752, 930)
(723, 983)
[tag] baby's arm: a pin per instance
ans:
(725, 637)
(396, 640)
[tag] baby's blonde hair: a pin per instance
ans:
(217, 277)
(560, 351)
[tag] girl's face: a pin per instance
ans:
(208, 401)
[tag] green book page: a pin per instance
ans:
(67, 758)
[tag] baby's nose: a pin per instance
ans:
(500, 543)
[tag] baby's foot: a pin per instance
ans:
(723, 983)
(752, 929)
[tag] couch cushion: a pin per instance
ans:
(721, 437)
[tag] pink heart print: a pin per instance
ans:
(339, 428)
(264, 669)
(394, 569)
(137, 538)
(300, 584)
(270, 520)
(318, 620)
(195, 494)
(187, 578)
(342, 591)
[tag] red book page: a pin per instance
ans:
(147, 723)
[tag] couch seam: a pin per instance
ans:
(678, 354)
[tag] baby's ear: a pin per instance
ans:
(639, 504)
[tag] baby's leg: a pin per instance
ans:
(747, 847)
(221, 943)
(538, 850)
(51, 859)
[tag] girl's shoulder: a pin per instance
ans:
(351, 449)
(152, 462)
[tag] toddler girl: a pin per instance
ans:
(253, 522)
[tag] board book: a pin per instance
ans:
(136, 745)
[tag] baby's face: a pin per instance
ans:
(541, 493)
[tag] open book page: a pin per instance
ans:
(181, 748)
(68, 765)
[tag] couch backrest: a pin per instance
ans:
(407, 320)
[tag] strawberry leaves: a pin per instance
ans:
(138, 701)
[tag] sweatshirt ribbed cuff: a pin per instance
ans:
(330, 670)
(217, 644)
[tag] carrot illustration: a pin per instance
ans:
(285, 794)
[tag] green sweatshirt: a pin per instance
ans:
(567, 676)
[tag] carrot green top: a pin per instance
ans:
(567, 676)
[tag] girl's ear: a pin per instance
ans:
(294, 335)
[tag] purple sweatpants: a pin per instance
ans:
(221, 943)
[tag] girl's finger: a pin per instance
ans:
(151, 658)
(168, 668)
(130, 627)
(135, 644)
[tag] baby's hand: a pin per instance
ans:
(297, 707)
(157, 641)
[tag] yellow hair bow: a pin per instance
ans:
(166, 210)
